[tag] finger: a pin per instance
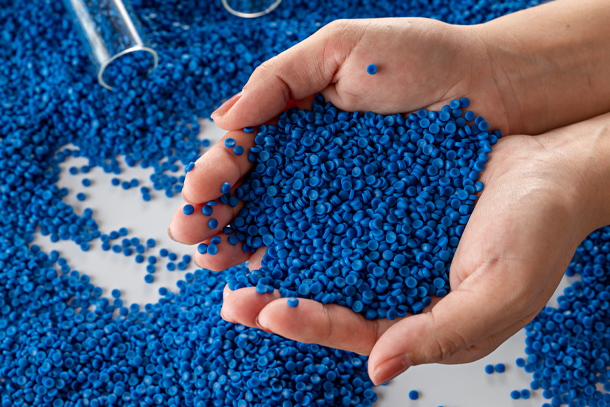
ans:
(324, 324)
(243, 306)
(488, 345)
(228, 255)
(195, 228)
(301, 71)
(254, 263)
(218, 165)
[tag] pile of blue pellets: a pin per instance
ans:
(66, 344)
(360, 209)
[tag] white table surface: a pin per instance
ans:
(113, 208)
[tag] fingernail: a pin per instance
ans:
(226, 106)
(389, 369)
(261, 327)
(169, 233)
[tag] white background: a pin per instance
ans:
(113, 208)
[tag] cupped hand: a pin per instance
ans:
(542, 196)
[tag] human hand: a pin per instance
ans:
(542, 196)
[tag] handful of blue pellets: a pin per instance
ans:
(360, 209)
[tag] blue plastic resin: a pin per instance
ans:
(188, 209)
(293, 302)
(371, 69)
(413, 394)
(500, 368)
(489, 369)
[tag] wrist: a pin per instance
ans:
(549, 63)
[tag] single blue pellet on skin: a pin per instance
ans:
(207, 210)
(86, 182)
(215, 240)
(500, 368)
(81, 196)
(230, 142)
(249, 129)
(489, 369)
(413, 394)
(188, 209)
(202, 248)
(293, 302)
(371, 69)
(212, 223)
(238, 150)
(172, 256)
(225, 188)
(189, 167)
(212, 249)
(515, 394)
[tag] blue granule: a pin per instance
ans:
(568, 347)
(81, 196)
(500, 368)
(525, 394)
(489, 369)
(86, 182)
(360, 209)
(371, 69)
(188, 209)
(413, 394)
(115, 182)
(293, 302)
(515, 394)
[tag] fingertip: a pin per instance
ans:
(244, 305)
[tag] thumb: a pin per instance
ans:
(466, 316)
(301, 71)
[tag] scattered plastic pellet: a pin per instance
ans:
(371, 69)
(149, 278)
(249, 129)
(293, 302)
(115, 182)
(202, 248)
(171, 266)
(230, 142)
(489, 369)
(500, 368)
(151, 243)
(520, 362)
(73, 170)
(189, 167)
(515, 394)
(238, 150)
(212, 223)
(225, 188)
(212, 249)
(413, 394)
(188, 209)
(525, 394)
(163, 252)
(207, 210)
(86, 182)
(81, 196)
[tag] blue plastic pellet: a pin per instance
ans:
(500, 368)
(172, 256)
(212, 249)
(150, 268)
(123, 232)
(413, 394)
(215, 240)
(189, 167)
(225, 188)
(151, 243)
(238, 150)
(149, 278)
(181, 265)
(134, 183)
(125, 185)
(293, 302)
(212, 223)
(207, 210)
(371, 69)
(489, 369)
(116, 293)
(73, 170)
(249, 129)
(139, 259)
(525, 394)
(515, 394)
(86, 182)
(115, 182)
(81, 196)
(188, 209)
(202, 248)
(230, 142)
(163, 252)
(520, 362)
(171, 266)
(152, 259)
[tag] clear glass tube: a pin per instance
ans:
(250, 8)
(108, 29)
